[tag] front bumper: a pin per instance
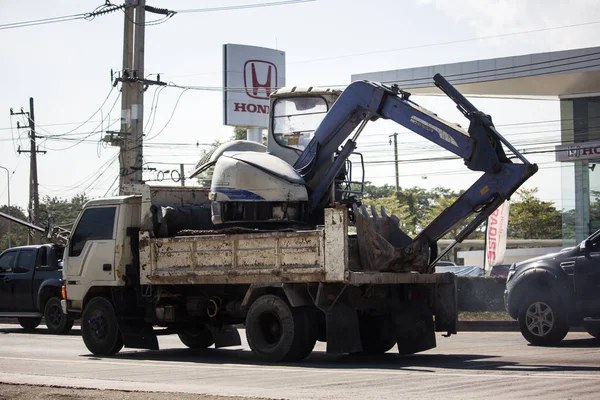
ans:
(63, 305)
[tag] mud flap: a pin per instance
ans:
(343, 332)
(414, 329)
(226, 336)
(137, 334)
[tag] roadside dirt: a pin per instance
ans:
(30, 392)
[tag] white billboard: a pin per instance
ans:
(250, 74)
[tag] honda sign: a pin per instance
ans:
(250, 75)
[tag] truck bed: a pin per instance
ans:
(320, 255)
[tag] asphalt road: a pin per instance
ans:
(469, 365)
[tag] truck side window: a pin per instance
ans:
(7, 261)
(95, 224)
(25, 261)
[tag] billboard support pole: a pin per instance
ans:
(255, 134)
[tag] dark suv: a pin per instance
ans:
(549, 294)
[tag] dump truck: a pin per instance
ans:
(277, 239)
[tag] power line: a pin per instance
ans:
(86, 121)
(242, 6)
(103, 9)
(447, 42)
(170, 118)
(78, 141)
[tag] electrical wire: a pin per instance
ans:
(84, 122)
(493, 73)
(242, 6)
(95, 129)
(170, 118)
(100, 10)
(447, 42)
(43, 21)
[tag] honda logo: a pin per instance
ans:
(574, 152)
(260, 78)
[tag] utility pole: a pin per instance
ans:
(181, 175)
(8, 212)
(130, 138)
(34, 198)
(395, 135)
(132, 101)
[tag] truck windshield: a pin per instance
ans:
(296, 119)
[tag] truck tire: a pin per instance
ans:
(29, 323)
(99, 328)
(543, 321)
(376, 334)
(278, 332)
(197, 337)
(56, 321)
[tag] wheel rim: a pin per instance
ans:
(54, 315)
(270, 328)
(98, 325)
(539, 318)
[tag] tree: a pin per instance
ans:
(18, 233)
(594, 211)
(371, 191)
(64, 212)
(240, 133)
(531, 218)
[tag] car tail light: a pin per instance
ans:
(63, 292)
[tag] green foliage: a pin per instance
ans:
(531, 218)
(18, 233)
(595, 211)
(377, 192)
(63, 211)
(240, 133)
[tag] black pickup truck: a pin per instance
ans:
(30, 287)
(549, 294)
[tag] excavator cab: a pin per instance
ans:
(295, 115)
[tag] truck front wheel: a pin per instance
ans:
(56, 321)
(278, 332)
(99, 328)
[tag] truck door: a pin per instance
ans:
(22, 281)
(92, 246)
(587, 277)
(7, 263)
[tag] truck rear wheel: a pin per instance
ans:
(376, 334)
(196, 337)
(278, 332)
(56, 321)
(99, 328)
(29, 323)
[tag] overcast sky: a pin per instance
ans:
(66, 68)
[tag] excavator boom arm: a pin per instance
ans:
(480, 147)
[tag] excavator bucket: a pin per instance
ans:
(383, 246)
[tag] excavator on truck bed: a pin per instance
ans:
(305, 170)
